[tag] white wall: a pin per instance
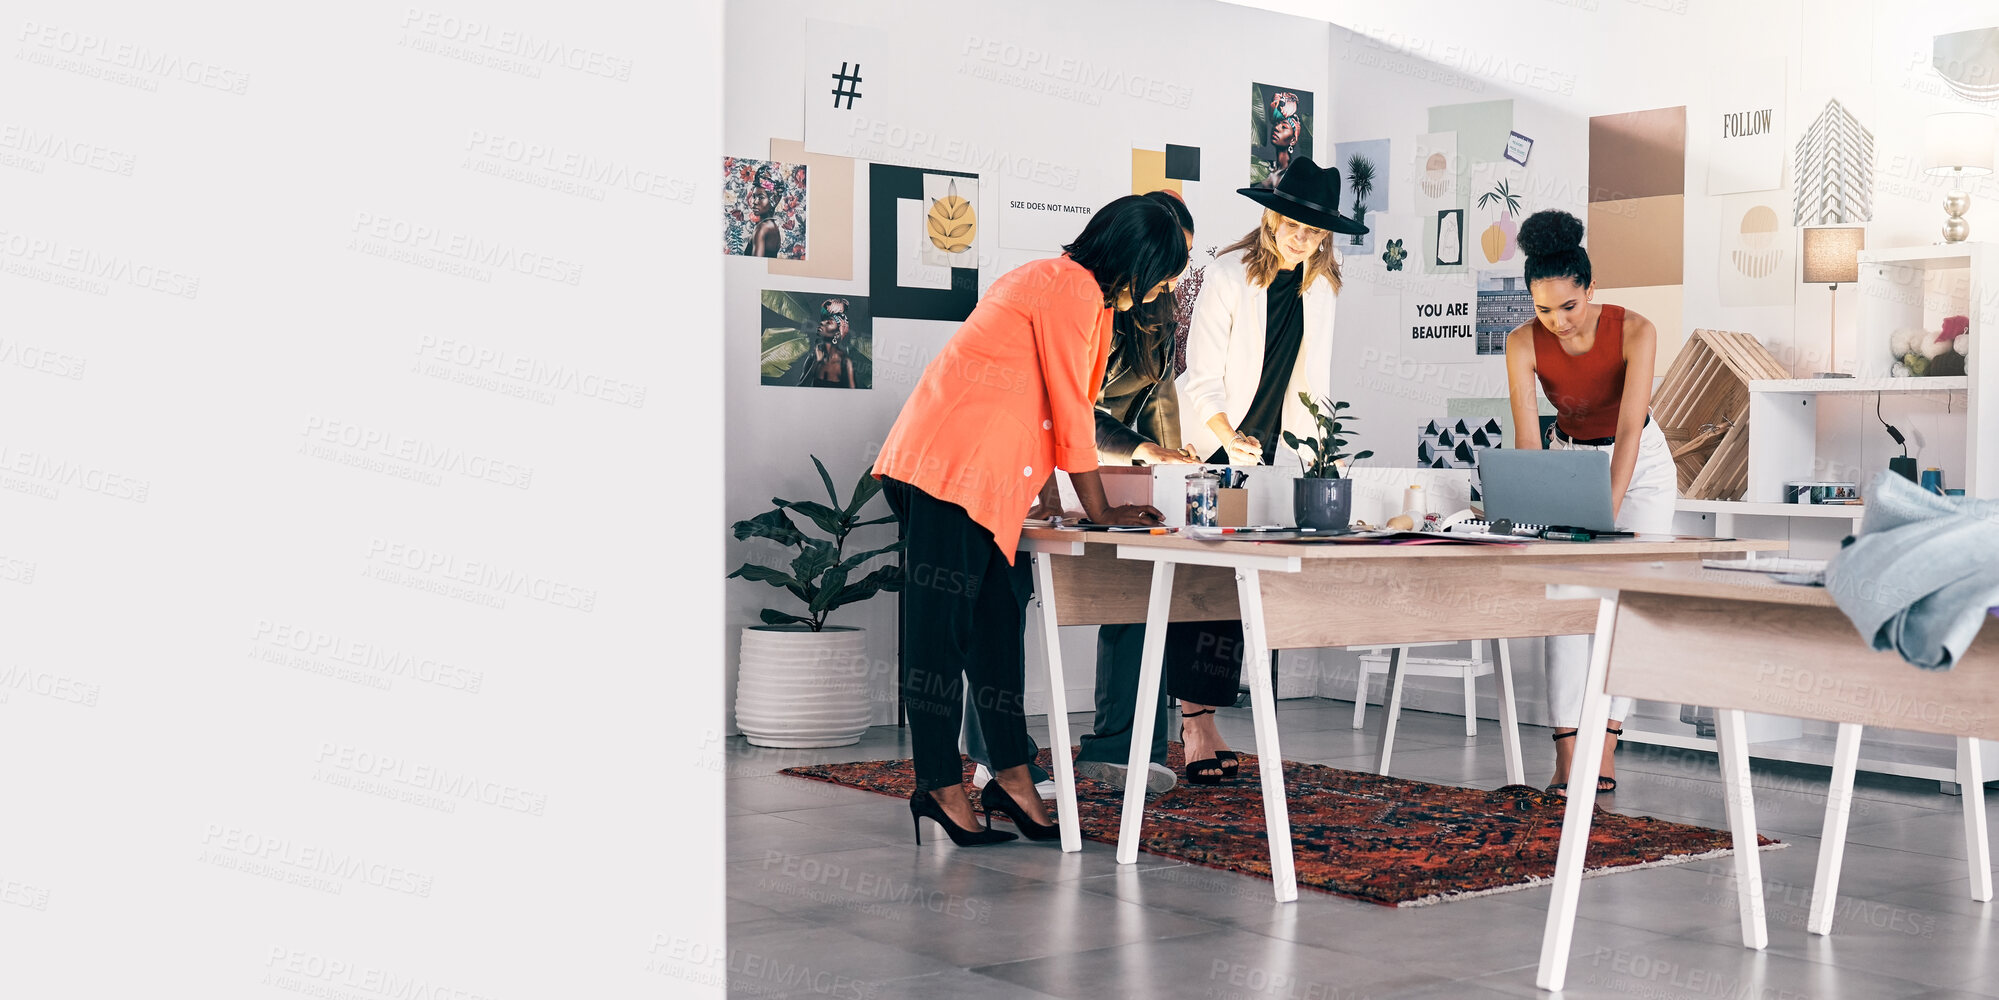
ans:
(767, 432)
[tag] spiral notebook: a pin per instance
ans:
(1485, 528)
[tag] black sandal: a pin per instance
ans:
(1208, 770)
(1560, 786)
(1603, 784)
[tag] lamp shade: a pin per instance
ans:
(1960, 141)
(1832, 254)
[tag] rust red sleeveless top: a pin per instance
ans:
(1585, 388)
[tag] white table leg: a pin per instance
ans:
(1058, 707)
(1471, 703)
(1269, 758)
(1509, 715)
(1360, 695)
(1978, 850)
(1731, 733)
(1584, 767)
(1832, 839)
(1149, 666)
(1391, 710)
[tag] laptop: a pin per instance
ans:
(1566, 488)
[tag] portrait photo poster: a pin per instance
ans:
(817, 340)
(763, 208)
(1280, 128)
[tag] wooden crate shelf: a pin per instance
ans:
(1702, 406)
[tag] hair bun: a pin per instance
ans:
(1549, 232)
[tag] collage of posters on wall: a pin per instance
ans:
(1280, 129)
(817, 340)
(763, 208)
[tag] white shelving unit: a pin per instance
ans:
(1783, 427)
(1919, 286)
(1904, 287)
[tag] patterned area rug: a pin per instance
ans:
(1385, 840)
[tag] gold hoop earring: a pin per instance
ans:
(1123, 300)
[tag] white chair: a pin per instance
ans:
(1395, 662)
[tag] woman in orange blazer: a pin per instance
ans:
(1009, 399)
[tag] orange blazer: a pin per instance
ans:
(1009, 399)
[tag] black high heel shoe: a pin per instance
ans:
(1211, 770)
(1005, 803)
(922, 806)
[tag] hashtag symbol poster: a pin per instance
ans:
(853, 79)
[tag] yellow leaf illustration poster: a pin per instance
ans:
(951, 221)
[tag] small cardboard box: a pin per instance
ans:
(1232, 508)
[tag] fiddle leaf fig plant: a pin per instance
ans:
(819, 574)
(1327, 445)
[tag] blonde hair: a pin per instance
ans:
(1262, 259)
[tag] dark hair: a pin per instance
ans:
(1144, 333)
(1131, 244)
(1179, 208)
(1553, 242)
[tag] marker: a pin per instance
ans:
(1555, 535)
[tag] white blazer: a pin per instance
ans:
(1225, 356)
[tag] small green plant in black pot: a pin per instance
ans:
(1322, 498)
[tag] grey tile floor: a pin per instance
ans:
(829, 896)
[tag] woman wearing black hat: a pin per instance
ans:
(1262, 333)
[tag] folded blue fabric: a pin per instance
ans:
(1922, 573)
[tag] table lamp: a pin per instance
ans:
(1832, 256)
(1959, 144)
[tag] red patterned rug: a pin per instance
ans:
(1385, 840)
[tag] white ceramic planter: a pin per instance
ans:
(800, 688)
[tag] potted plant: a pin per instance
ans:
(1321, 497)
(803, 683)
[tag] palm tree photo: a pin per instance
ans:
(1360, 177)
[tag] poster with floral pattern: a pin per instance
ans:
(763, 208)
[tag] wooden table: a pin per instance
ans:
(1742, 643)
(1298, 596)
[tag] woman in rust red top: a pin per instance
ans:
(1010, 399)
(1594, 361)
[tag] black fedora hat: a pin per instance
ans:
(1308, 193)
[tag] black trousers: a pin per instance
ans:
(964, 610)
(1203, 665)
(1204, 661)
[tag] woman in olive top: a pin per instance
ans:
(1006, 402)
(1594, 362)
